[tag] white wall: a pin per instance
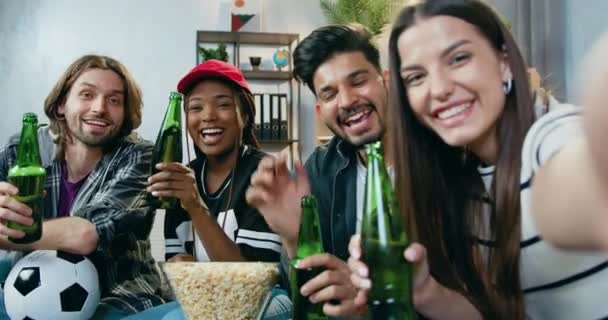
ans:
(586, 21)
(155, 39)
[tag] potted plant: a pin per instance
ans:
(218, 53)
(373, 14)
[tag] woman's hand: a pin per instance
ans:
(176, 180)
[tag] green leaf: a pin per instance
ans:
(373, 14)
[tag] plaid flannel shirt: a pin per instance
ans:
(113, 198)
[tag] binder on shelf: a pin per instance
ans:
(257, 121)
(283, 118)
(265, 132)
(275, 116)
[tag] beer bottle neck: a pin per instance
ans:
(173, 117)
(27, 150)
(309, 240)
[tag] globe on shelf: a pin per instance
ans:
(280, 58)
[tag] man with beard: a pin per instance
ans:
(95, 185)
(341, 67)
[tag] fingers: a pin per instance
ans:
(301, 178)
(266, 173)
(346, 308)
(361, 298)
(8, 189)
(171, 180)
(5, 231)
(340, 292)
(326, 260)
(416, 254)
(257, 197)
(173, 166)
(359, 275)
(359, 272)
(12, 206)
(354, 246)
(333, 283)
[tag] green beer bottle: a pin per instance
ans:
(168, 147)
(384, 239)
(29, 177)
(309, 243)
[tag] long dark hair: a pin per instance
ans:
(429, 168)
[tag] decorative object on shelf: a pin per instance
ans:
(246, 15)
(255, 63)
(218, 53)
(373, 14)
(280, 58)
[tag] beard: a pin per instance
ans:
(358, 141)
(93, 140)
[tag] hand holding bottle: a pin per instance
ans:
(168, 146)
(331, 285)
(414, 254)
(430, 298)
(175, 180)
(12, 210)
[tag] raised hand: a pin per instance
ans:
(276, 193)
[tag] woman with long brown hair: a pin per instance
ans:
(467, 147)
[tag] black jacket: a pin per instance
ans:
(332, 174)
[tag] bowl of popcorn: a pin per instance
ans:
(221, 290)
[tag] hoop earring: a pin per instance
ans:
(506, 86)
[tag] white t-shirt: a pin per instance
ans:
(557, 284)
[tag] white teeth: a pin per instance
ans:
(97, 123)
(212, 131)
(355, 117)
(453, 111)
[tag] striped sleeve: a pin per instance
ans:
(178, 233)
(549, 134)
(255, 239)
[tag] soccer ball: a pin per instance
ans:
(49, 284)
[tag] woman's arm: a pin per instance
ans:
(570, 192)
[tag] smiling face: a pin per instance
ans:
(351, 98)
(214, 119)
(94, 108)
(453, 79)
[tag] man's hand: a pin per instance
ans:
(277, 194)
(182, 257)
(177, 181)
(331, 285)
(12, 210)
